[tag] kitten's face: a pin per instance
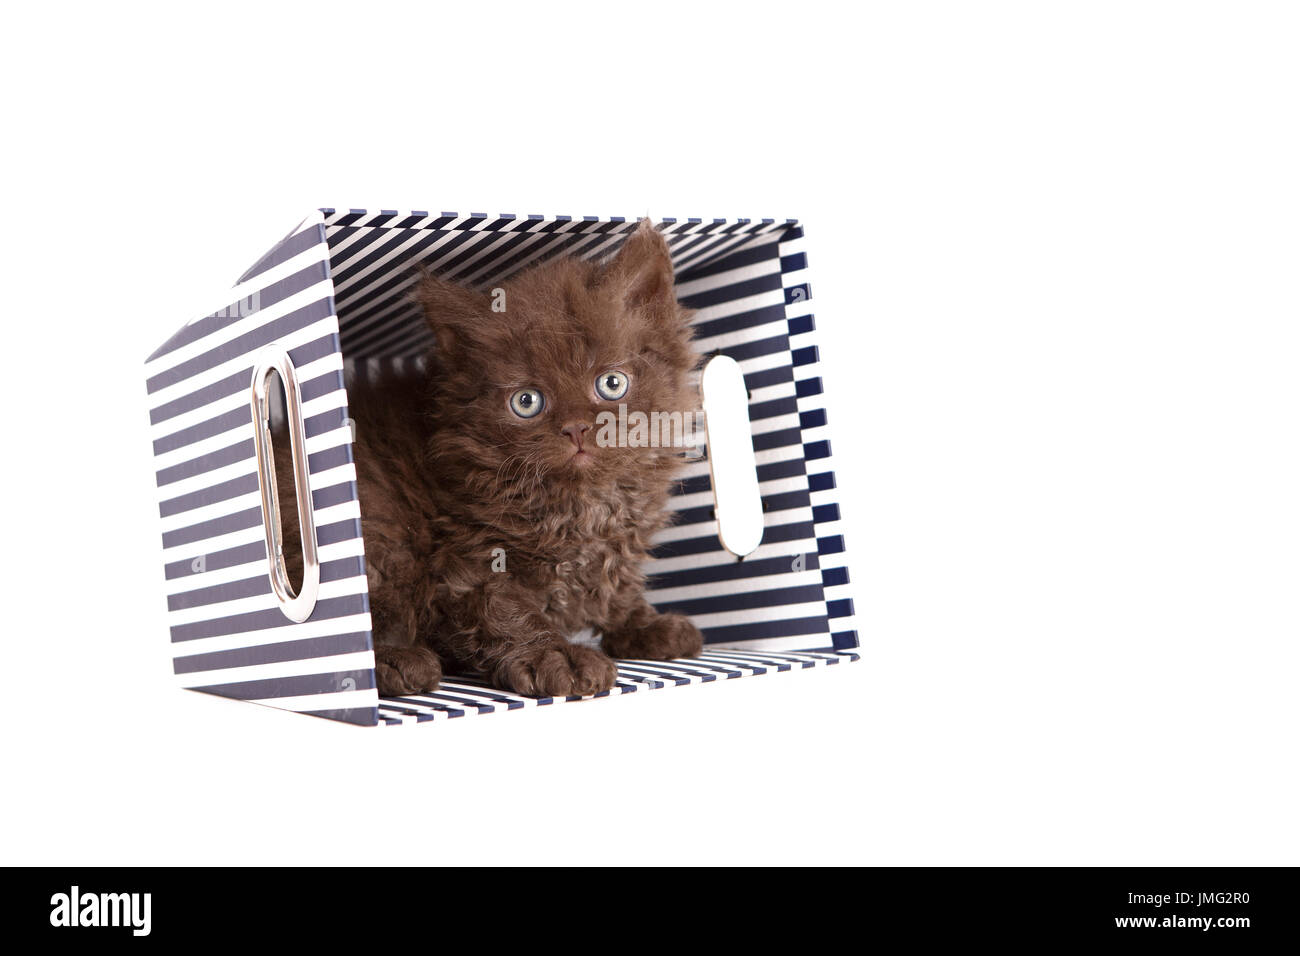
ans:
(522, 390)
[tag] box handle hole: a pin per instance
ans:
(297, 605)
(738, 503)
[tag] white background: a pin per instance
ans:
(1054, 253)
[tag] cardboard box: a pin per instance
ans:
(330, 299)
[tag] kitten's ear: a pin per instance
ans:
(454, 312)
(643, 268)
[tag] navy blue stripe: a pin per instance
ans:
(738, 666)
(781, 501)
(308, 649)
(222, 491)
(817, 449)
(481, 706)
(729, 670)
(224, 524)
(227, 558)
(824, 481)
(240, 381)
(227, 421)
(388, 283)
(814, 418)
(728, 324)
(702, 675)
(840, 608)
(792, 658)
(475, 256)
(743, 351)
(759, 665)
(297, 686)
(239, 451)
(364, 716)
(795, 531)
(348, 529)
(745, 600)
(268, 618)
(808, 387)
(843, 640)
(260, 584)
(340, 258)
(635, 670)
(733, 570)
(823, 514)
(267, 296)
(767, 377)
(242, 345)
(833, 577)
(512, 703)
(801, 325)
(433, 704)
(773, 407)
(734, 260)
(214, 527)
(765, 629)
(399, 334)
(361, 312)
(397, 272)
(644, 680)
(245, 451)
(833, 544)
(730, 293)
(321, 385)
(292, 245)
(781, 438)
(804, 356)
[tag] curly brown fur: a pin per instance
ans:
(447, 474)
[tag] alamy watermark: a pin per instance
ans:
(76, 908)
(240, 308)
(639, 429)
(246, 306)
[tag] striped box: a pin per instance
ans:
(333, 295)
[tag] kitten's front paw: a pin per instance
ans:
(556, 670)
(406, 670)
(661, 638)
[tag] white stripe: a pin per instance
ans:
(221, 299)
(720, 558)
(800, 642)
(782, 612)
(358, 661)
(754, 585)
(351, 548)
(336, 398)
(735, 276)
(247, 466)
(318, 290)
(259, 602)
(188, 386)
(351, 624)
(340, 512)
(684, 532)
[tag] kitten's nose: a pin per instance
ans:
(575, 431)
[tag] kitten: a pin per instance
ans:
(495, 527)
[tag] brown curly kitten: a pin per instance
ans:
(491, 460)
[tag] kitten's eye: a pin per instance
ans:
(611, 385)
(527, 402)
